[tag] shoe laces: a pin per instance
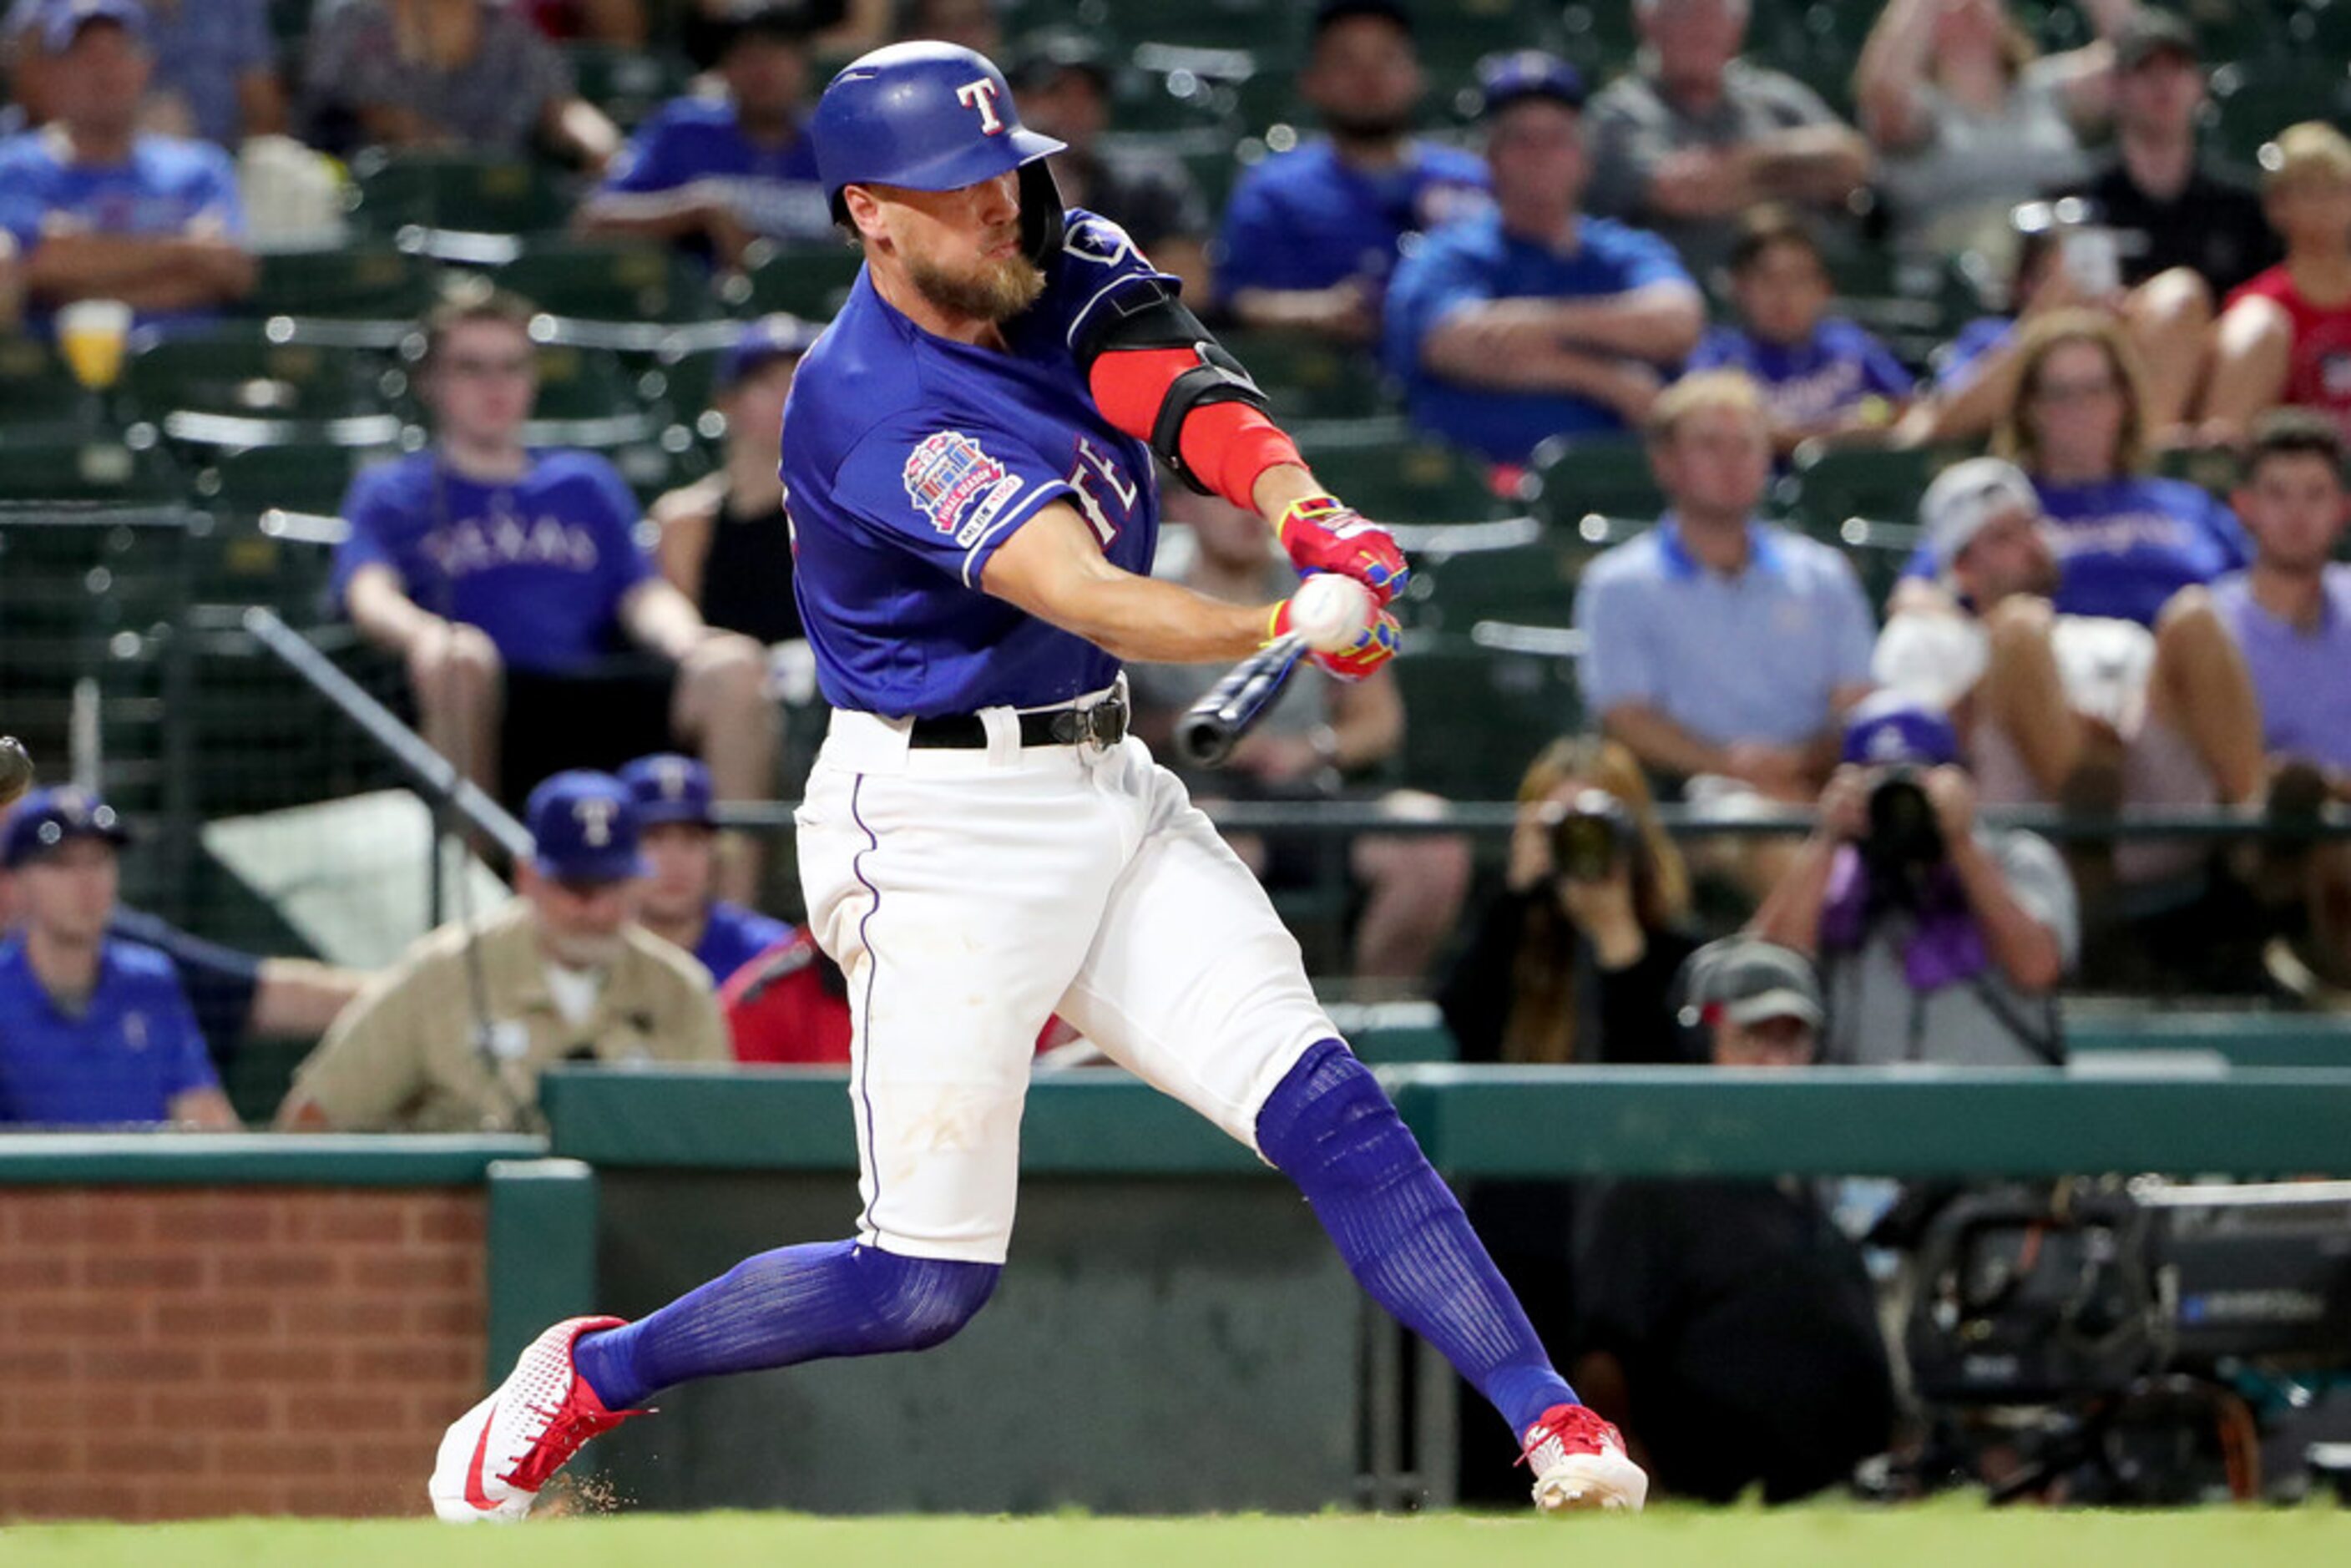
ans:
(1574, 1427)
(569, 1425)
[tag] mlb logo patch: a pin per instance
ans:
(947, 475)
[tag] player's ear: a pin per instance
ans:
(864, 210)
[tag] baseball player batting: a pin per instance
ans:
(968, 452)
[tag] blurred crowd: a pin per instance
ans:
(2125, 594)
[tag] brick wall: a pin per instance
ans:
(178, 1352)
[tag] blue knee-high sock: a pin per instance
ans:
(780, 1308)
(1330, 1129)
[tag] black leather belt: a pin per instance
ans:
(1104, 724)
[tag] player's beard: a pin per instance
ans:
(998, 291)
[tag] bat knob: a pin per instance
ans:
(1203, 739)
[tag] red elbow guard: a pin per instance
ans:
(1224, 446)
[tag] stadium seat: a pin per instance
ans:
(811, 281)
(1308, 377)
(309, 476)
(373, 281)
(619, 282)
(1569, 480)
(1531, 584)
(61, 463)
(1476, 716)
(1391, 475)
(248, 368)
(1831, 483)
(2251, 104)
(627, 84)
(462, 190)
(33, 384)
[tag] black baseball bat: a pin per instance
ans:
(1209, 731)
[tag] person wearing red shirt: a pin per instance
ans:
(2286, 336)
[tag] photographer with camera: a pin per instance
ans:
(1938, 940)
(1575, 960)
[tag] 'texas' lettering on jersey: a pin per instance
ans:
(957, 484)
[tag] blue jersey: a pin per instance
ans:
(541, 564)
(164, 188)
(2125, 545)
(909, 460)
(1836, 368)
(1476, 261)
(773, 190)
(1306, 220)
(733, 936)
(128, 1054)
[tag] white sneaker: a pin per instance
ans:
(495, 1458)
(1579, 1462)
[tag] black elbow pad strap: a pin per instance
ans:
(1155, 319)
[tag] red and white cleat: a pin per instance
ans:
(497, 1455)
(1579, 1462)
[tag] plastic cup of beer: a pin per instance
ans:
(92, 333)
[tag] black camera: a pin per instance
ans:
(1591, 836)
(1904, 840)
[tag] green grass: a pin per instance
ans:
(1929, 1537)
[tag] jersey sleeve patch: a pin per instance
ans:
(953, 481)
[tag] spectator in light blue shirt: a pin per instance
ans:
(100, 210)
(215, 66)
(1715, 645)
(94, 1031)
(713, 174)
(1312, 235)
(1533, 321)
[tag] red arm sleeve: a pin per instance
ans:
(1225, 445)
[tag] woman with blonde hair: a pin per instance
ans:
(1575, 960)
(2126, 540)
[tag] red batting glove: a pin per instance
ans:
(1373, 645)
(1322, 533)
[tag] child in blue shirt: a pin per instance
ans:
(1821, 375)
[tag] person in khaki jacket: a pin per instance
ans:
(446, 1043)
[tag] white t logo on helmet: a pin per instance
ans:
(981, 95)
(595, 819)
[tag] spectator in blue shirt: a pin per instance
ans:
(503, 576)
(2126, 541)
(681, 842)
(93, 1029)
(1310, 235)
(215, 67)
(1532, 320)
(100, 210)
(1822, 376)
(1716, 645)
(716, 173)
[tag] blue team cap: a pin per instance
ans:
(1505, 78)
(1889, 728)
(668, 787)
(47, 818)
(65, 19)
(583, 827)
(763, 343)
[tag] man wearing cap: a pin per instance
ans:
(453, 1037)
(1938, 939)
(2170, 208)
(2054, 706)
(1532, 320)
(1694, 134)
(1727, 1326)
(724, 541)
(1310, 235)
(680, 836)
(1063, 79)
(93, 1029)
(714, 175)
(99, 209)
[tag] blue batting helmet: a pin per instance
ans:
(933, 116)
